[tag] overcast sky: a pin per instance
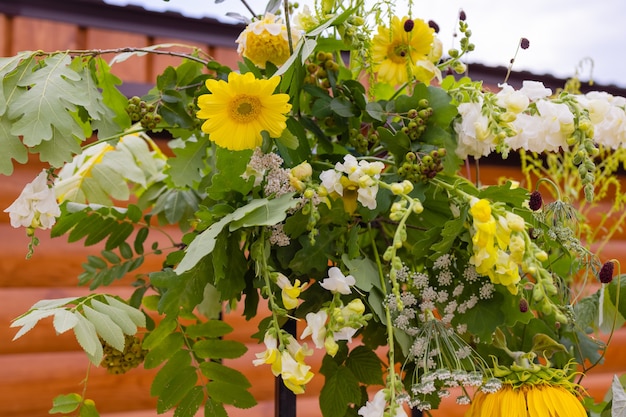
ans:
(562, 33)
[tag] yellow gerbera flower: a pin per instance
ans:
(541, 400)
(238, 111)
(396, 51)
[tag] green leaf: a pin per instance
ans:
(262, 212)
(176, 205)
(315, 257)
(365, 365)
(230, 394)
(342, 106)
(59, 149)
(64, 320)
(375, 111)
(65, 403)
(164, 350)
(229, 168)
(87, 338)
(30, 319)
(274, 212)
(133, 314)
(106, 328)
(339, 391)
(12, 148)
(483, 319)
(617, 293)
(363, 270)
(118, 236)
(187, 166)
(119, 316)
(181, 360)
(100, 114)
(176, 389)
(88, 409)
(211, 328)
(219, 349)
(214, 408)
(54, 90)
(215, 371)
(53, 303)
(191, 403)
(111, 96)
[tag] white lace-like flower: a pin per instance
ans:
(36, 205)
(338, 282)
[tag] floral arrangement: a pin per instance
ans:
(323, 182)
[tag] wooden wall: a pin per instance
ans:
(18, 33)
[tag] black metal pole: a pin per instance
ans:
(284, 399)
(415, 412)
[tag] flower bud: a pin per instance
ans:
(524, 43)
(397, 188)
(331, 346)
(523, 305)
(606, 272)
(535, 201)
(302, 171)
(417, 207)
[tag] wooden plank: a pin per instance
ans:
(34, 34)
(31, 381)
(226, 56)
(6, 35)
(57, 263)
(134, 69)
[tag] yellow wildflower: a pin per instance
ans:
(238, 111)
(396, 52)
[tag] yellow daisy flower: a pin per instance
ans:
(238, 111)
(541, 400)
(396, 51)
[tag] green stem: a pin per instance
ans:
(288, 25)
(388, 324)
(263, 271)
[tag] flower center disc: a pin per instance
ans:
(244, 108)
(398, 52)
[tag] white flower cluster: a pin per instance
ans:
(353, 175)
(531, 119)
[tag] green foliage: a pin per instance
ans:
(71, 403)
(93, 319)
(187, 352)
